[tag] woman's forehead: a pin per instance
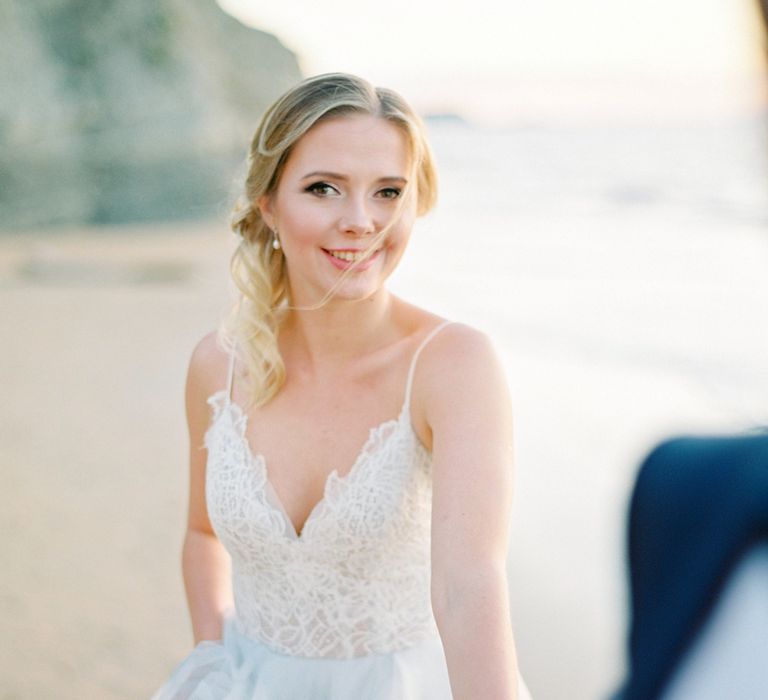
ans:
(352, 143)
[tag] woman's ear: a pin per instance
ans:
(267, 213)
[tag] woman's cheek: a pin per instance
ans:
(304, 223)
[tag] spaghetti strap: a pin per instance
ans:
(231, 372)
(412, 368)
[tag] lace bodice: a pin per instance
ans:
(356, 581)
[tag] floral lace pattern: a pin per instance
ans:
(356, 581)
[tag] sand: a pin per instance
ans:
(98, 326)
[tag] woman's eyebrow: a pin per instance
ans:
(339, 176)
(394, 178)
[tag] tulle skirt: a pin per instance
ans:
(240, 668)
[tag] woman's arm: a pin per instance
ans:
(467, 408)
(205, 562)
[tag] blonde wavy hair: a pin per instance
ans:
(258, 270)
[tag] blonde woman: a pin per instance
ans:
(351, 460)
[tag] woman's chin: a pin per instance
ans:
(356, 293)
(356, 286)
(346, 292)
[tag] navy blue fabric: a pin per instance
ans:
(698, 504)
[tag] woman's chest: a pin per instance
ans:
(386, 484)
(302, 446)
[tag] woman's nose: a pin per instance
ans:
(357, 218)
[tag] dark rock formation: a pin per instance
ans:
(125, 111)
(762, 6)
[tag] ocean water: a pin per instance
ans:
(621, 270)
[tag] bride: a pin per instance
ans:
(351, 454)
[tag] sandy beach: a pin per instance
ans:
(98, 328)
(616, 329)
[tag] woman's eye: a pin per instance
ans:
(321, 188)
(390, 193)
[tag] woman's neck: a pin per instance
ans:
(337, 332)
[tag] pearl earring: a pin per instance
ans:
(275, 241)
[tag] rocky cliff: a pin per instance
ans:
(114, 112)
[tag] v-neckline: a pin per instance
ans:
(271, 494)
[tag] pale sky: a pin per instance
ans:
(495, 58)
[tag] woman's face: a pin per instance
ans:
(341, 186)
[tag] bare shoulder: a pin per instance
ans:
(458, 349)
(208, 366)
(459, 372)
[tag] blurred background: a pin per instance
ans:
(603, 214)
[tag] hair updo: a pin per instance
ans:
(258, 270)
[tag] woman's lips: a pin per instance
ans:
(350, 258)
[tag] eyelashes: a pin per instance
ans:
(323, 189)
(392, 192)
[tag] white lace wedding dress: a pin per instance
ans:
(340, 611)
